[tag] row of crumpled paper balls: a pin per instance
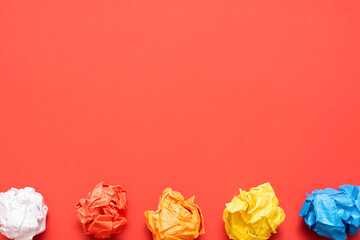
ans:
(252, 215)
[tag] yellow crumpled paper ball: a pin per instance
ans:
(253, 215)
(175, 219)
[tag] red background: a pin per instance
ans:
(202, 96)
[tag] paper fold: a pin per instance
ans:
(253, 215)
(176, 218)
(22, 213)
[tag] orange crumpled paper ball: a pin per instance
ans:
(102, 213)
(175, 219)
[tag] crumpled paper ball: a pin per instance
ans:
(102, 213)
(175, 219)
(253, 215)
(330, 212)
(22, 213)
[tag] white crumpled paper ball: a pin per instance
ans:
(22, 213)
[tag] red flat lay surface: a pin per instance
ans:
(205, 97)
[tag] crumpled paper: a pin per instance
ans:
(330, 212)
(253, 215)
(102, 213)
(175, 219)
(22, 213)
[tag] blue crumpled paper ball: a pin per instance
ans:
(331, 213)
